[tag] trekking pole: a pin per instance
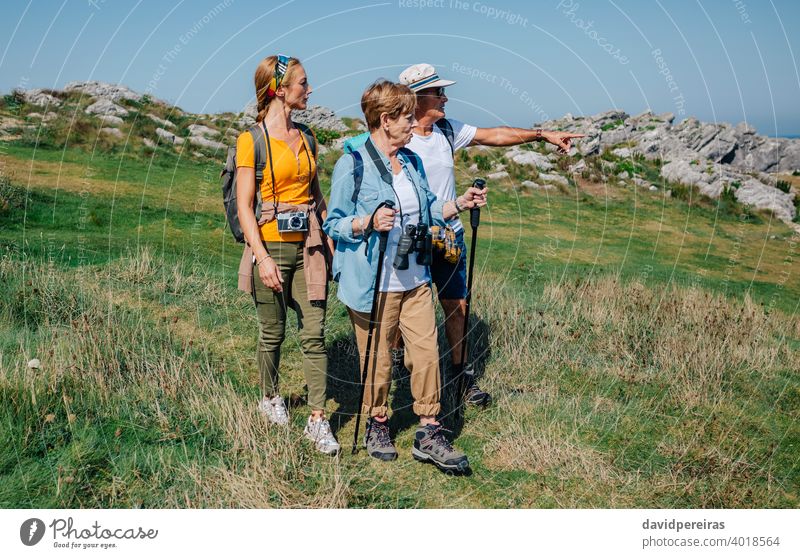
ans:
(474, 221)
(384, 239)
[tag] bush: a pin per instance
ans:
(14, 101)
(796, 173)
(483, 162)
(325, 137)
(611, 125)
(784, 186)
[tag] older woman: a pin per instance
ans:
(284, 263)
(390, 172)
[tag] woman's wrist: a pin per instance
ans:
(262, 259)
(459, 207)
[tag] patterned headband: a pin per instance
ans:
(280, 70)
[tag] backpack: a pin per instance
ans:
(443, 124)
(351, 146)
(260, 156)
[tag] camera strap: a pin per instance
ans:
(272, 170)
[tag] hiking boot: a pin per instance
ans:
(378, 442)
(275, 410)
(430, 444)
(319, 432)
(474, 395)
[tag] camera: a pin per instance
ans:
(415, 238)
(296, 221)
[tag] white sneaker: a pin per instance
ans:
(275, 410)
(319, 432)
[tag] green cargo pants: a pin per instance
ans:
(271, 309)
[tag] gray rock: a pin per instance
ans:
(684, 172)
(201, 130)
(338, 143)
(106, 106)
(578, 167)
(315, 116)
(112, 132)
(622, 152)
(39, 98)
(590, 145)
(497, 175)
(207, 143)
(473, 168)
(169, 137)
(149, 143)
(164, 123)
(557, 178)
(535, 186)
(111, 120)
(319, 117)
(609, 117)
(530, 158)
(653, 188)
(102, 90)
(752, 192)
(618, 135)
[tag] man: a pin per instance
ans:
(436, 140)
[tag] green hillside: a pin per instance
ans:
(643, 347)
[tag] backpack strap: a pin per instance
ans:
(358, 174)
(259, 163)
(259, 152)
(447, 129)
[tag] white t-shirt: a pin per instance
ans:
(395, 280)
(437, 159)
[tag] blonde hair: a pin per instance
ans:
(382, 96)
(263, 77)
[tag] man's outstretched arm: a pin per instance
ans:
(504, 136)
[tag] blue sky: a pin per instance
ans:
(515, 62)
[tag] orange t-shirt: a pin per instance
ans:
(292, 177)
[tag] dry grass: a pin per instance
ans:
(607, 394)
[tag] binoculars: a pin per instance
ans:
(415, 238)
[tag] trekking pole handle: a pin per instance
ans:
(384, 238)
(475, 212)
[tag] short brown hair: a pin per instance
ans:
(385, 96)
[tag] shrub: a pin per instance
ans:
(14, 101)
(784, 186)
(325, 137)
(612, 125)
(483, 162)
(796, 173)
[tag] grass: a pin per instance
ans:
(643, 351)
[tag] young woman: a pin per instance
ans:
(284, 263)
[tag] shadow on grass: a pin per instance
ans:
(344, 369)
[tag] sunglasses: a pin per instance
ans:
(436, 91)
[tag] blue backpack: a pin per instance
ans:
(352, 144)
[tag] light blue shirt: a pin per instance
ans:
(355, 263)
